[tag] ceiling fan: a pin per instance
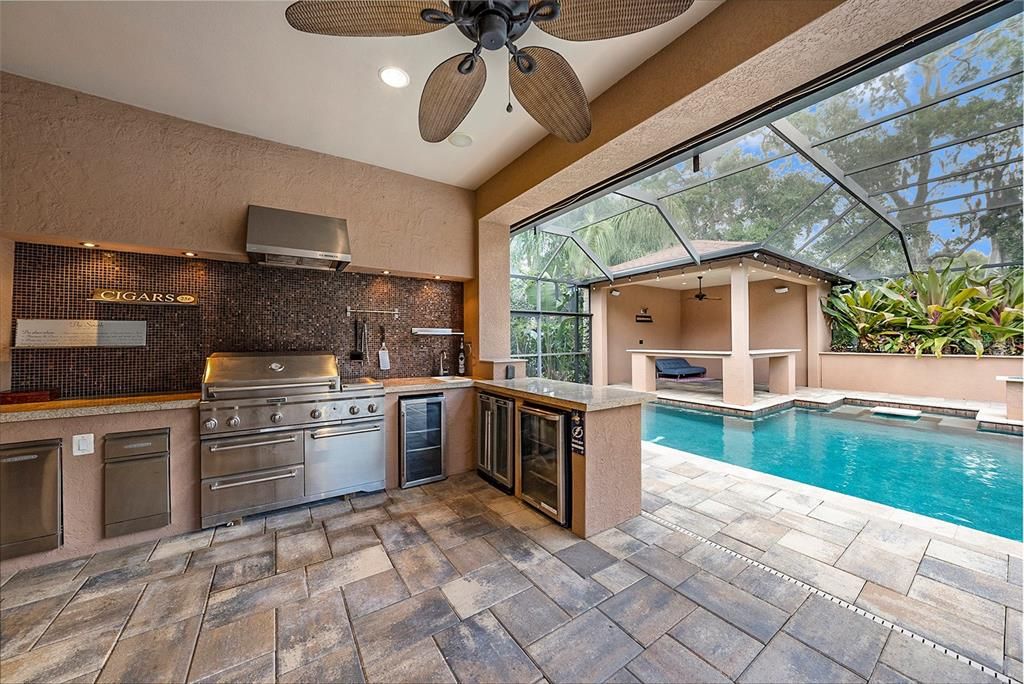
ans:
(701, 295)
(543, 82)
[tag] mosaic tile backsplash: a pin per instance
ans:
(242, 307)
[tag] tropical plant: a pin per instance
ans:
(933, 311)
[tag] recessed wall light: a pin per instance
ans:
(386, 272)
(460, 139)
(781, 290)
(393, 76)
(437, 277)
(189, 254)
(90, 245)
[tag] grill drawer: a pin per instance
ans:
(233, 455)
(239, 493)
(128, 444)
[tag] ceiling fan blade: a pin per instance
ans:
(599, 19)
(364, 19)
(448, 95)
(552, 94)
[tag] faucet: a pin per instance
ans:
(444, 359)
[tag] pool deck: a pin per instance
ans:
(707, 395)
(957, 587)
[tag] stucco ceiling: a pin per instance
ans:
(239, 66)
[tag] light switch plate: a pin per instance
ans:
(82, 445)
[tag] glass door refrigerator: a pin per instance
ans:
(421, 439)
(543, 462)
(495, 439)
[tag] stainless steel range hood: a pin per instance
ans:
(276, 237)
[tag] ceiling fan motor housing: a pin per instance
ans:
(491, 23)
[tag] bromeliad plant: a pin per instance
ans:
(934, 311)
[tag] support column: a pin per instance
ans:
(599, 336)
(486, 298)
(738, 368)
(819, 337)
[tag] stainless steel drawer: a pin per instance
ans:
(232, 455)
(127, 444)
(242, 492)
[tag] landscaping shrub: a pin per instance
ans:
(963, 312)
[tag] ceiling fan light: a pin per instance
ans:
(393, 76)
(460, 139)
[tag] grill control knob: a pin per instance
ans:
(276, 417)
(354, 410)
(316, 414)
(210, 424)
(372, 408)
(234, 421)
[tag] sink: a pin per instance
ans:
(448, 378)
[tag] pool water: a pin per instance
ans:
(970, 479)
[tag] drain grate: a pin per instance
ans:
(835, 599)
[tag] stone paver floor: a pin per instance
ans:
(455, 581)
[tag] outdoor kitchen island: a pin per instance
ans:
(604, 487)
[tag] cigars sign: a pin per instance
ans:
(112, 296)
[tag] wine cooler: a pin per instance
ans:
(543, 461)
(421, 439)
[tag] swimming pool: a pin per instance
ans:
(970, 479)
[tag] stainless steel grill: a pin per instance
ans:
(282, 429)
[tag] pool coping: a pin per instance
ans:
(932, 526)
(987, 420)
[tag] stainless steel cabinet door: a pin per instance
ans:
(136, 494)
(502, 438)
(345, 458)
(30, 491)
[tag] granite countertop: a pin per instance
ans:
(567, 394)
(426, 384)
(73, 408)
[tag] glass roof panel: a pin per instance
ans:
(747, 206)
(989, 53)
(625, 238)
(593, 212)
(885, 258)
(820, 215)
(736, 155)
(1001, 175)
(530, 250)
(935, 144)
(1000, 147)
(986, 237)
(571, 264)
(838, 234)
(973, 203)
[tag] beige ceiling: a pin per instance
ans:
(239, 66)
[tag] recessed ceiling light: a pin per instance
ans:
(90, 245)
(386, 272)
(189, 254)
(459, 139)
(394, 77)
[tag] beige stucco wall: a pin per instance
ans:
(625, 333)
(777, 321)
(77, 167)
(951, 377)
